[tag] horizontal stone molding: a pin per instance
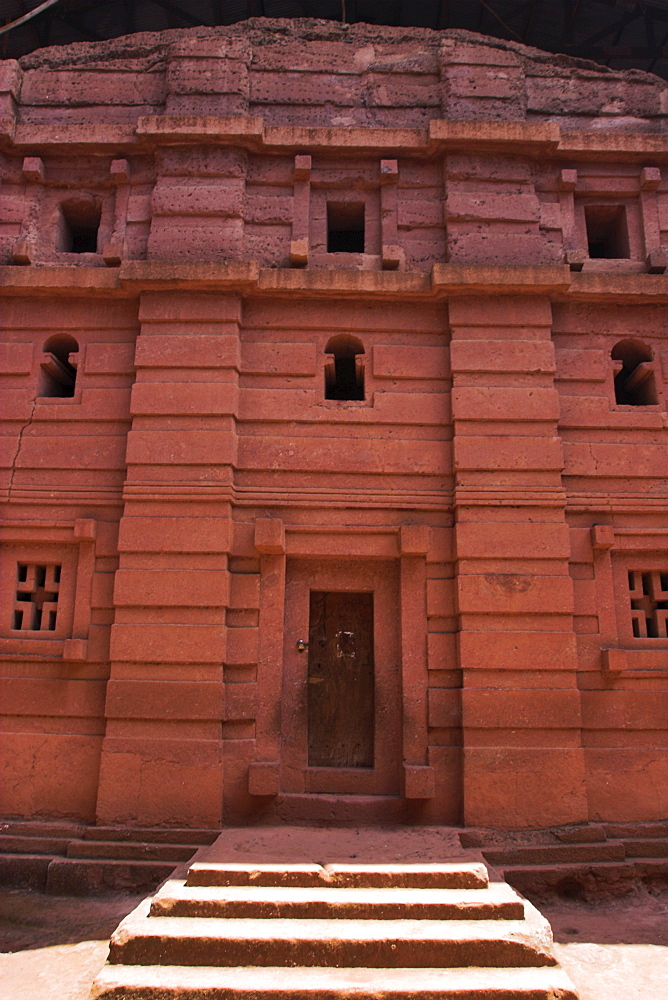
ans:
(246, 277)
(635, 662)
(530, 139)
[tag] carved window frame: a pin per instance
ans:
(40, 358)
(616, 552)
(70, 544)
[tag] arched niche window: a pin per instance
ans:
(79, 225)
(344, 369)
(58, 371)
(634, 375)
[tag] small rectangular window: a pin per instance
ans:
(607, 231)
(345, 227)
(81, 221)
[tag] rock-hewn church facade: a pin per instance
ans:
(334, 461)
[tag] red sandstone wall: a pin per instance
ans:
(489, 484)
(62, 478)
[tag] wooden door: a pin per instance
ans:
(340, 680)
(340, 715)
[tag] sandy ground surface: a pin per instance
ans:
(613, 950)
(53, 946)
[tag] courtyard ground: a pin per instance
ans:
(53, 946)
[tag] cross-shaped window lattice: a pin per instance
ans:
(649, 604)
(36, 601)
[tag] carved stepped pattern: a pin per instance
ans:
(578, 860)
(74, 859)
(248, 931)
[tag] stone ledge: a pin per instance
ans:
(446, 280)
(530, 138)
(635, 662)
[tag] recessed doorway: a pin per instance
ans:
(341, 696)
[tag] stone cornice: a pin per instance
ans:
(247, 277)
(528, 138)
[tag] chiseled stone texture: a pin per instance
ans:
(296, 307)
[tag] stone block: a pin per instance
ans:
(518, 650)
(532, 709)
(75, 650)
(568, 179)
(521, 405)
(23, 252)
(161, 780)
(414, 539)
(269, 536)
(524, 787)
(602, 537)
(199, 398)
(502, 356)
(16, 357)
(242, 645)
(445, 708)
(657, 262)
(33, 169)
(403, 362)
(650, 178)
(168, 643)
(194, 351)
(501, 452)
(389, 171)
(183, 587)
(278, 359)
(303, 164)
(392, 256)
(164, 699)
(510, 540)
(627, 784)
(120, 171)
(299, 252)
(263, 778)
(114, 252)
(419, 782)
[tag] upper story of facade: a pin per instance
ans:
(326, 146)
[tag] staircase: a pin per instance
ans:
(248, 930)
(578, 862)
(70, 859)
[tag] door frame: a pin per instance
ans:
(405, 547)
(382, 579)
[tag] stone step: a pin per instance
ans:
(25, 871)
(460, 875)
(651, 869)
(10, 844)
(40, 828)
(206, 983)
(572, 880)
(541, 854)
(152, 834)
(589, 833)
(143, 940)
(340, 810)
(499, 902)
(634, 830)
(650, 847)
(130, 850)
(88, 877)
